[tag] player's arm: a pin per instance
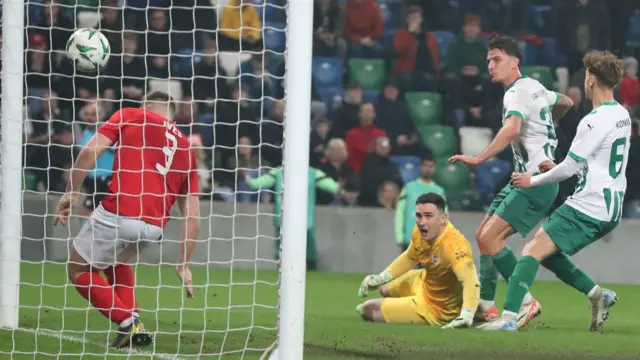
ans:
(85, 161)
(401, 208)
(561, 104)
(508, 133)
(189, 205)
(461, 261)
(326, 183)
(265, 181)
(403, 263)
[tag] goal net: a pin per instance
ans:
(222, 61)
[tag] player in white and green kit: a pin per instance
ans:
(598, 155)
(528, 112)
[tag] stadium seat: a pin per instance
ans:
(275, 37)
(327, 72)
(633, 34)
(489, 176)
(444, 40)
(465, 200)
(409, 167)
(171, 87)
(531, 54)
(88, 19)
(454, 178)
(424, 107)
(440, 139)
(473, 140)
(369, 73)
(370, 95)
(553, 57)
(332, 97)
(540, 73)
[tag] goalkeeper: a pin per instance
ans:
(317, 179)
(444, 293)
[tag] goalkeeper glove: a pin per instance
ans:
(372, 282)
(464, 320)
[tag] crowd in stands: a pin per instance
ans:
(397, 86)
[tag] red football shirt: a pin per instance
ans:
(153, 165)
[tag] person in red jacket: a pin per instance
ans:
(363, 29)
(629, 84)
(418, 63)
(361, 140)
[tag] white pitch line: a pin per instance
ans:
(133, 351)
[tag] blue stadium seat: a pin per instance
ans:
(490, 175)
(275, 37)
(542, 19)
(531, 53)
(633, 34)
(327, 72)
(409, 167)
(553, 56)
(332, 97)
(444, 39)
(370, 95)
(391, 14)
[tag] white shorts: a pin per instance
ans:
(107, 239)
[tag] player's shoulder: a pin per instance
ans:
(607, 117)
(523, 88)
(453, 240)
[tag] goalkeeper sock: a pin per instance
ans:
(488, 282)
(505, 261)
(567, 271)
(97, 290)
(519, 283)
(123, 282)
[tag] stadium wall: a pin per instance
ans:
(354, 240)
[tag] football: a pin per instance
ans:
(88, 49)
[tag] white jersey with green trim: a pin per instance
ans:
(537, 141)
(601, 146)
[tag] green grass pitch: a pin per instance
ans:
(333, 329)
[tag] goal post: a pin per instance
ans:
(11, 158)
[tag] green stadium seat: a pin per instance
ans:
(440, 139)
(454, 178)
(541, 73)
(30, 182)
(369, 73)
(424, 107)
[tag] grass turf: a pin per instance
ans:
(241, 317)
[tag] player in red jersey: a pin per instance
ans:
(154, 168)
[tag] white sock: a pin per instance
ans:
(127, 322)
(509, 316)
(593, 291)
(528, 299)
(486, 305)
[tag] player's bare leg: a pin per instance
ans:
(93, 287)
(371, 310)
(492, 241)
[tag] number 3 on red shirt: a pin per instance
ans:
(170, 149)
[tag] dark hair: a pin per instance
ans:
(605, 66)
(159, 96)
(426, 155)
(353, 86)
(352, 183)
(509, 45)
(414, 9)
(432, 198)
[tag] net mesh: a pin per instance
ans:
(223, 64)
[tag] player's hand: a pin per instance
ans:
(545, 166)
(465, 159)
(465, 320)
(521, 180)
(64, 209)
(184, 274)
(372, 282)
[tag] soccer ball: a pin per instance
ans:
(88, 49)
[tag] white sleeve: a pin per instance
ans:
(516, 103)
(552, 97)
(589, 135)
(560, 172)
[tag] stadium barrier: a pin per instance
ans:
(351, 240)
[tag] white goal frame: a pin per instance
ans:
(291, 307)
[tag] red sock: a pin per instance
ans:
(101, 295)
(121, 277)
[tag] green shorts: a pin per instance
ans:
(523, 208)
(572, 230)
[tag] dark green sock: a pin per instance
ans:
(522, 278)
(488, 278)
(567, 271)
(505, 261)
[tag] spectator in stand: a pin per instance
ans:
(256, 77)
(569, 122)
(319, 138)
(159, 44)
(126, 74)
(509, 17)
(247, 165)
(418, 63)
(191, 21)
(394, 119)
(350, 195)
(111, 24)
(38, 70)
(207, 84)
(334, 165)
(347, 114)
(56, 29)
(272, 134)
(240, 28)
(405, 210)
(388, 195)
(361, 140)
(376, 170)
(629, 85)
(466, 75)
(327, 28)
(186, 119)
(363, 29)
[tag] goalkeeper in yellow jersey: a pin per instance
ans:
(445, 292)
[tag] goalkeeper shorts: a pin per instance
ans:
(108, 239)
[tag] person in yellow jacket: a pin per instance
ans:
(240, 27)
